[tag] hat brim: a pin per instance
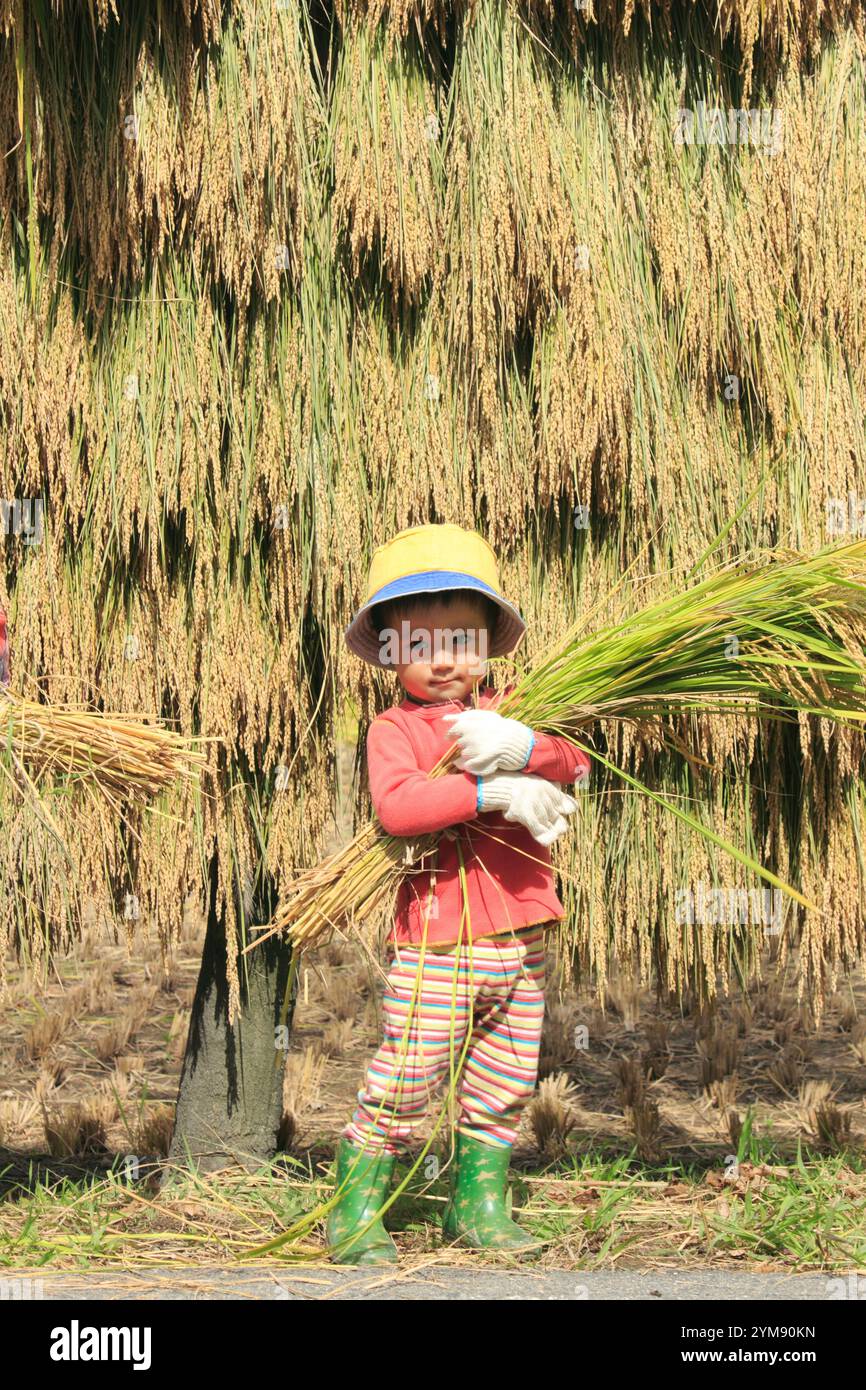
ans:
(364, 641)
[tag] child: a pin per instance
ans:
(453, 970)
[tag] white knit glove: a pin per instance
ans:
(539, 805)
(489, 741)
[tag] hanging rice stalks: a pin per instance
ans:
(133, 144)
(387, 159)
(229, 368)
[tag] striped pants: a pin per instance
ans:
(433, 1001)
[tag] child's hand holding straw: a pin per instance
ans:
(490, 742)
(539, 805)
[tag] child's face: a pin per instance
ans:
(446, 649)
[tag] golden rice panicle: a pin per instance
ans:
(160, 163)
(384, 116)
(396, 17)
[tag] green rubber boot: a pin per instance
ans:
(362, 1196)
(475, 1212)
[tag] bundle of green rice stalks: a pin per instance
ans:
(120, 755)
(774, 640)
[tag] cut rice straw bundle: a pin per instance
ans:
(123, 756)
(773, 640)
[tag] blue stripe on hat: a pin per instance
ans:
(429, 581)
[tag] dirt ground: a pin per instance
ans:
(119, 1047)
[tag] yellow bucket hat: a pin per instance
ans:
(428, 560)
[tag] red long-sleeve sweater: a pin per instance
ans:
(508, 873)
